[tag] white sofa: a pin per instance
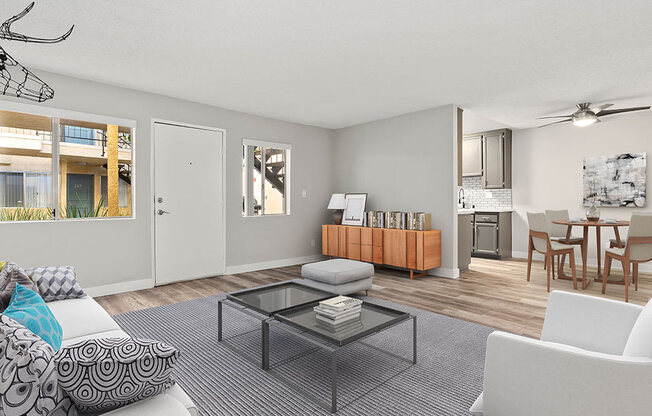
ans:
(84, 319)
(580, 367)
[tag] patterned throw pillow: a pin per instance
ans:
(56, 283)
(27, 308)
(9, 276)
(106, 373)
(28, 380)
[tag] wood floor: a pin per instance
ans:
(492, 293)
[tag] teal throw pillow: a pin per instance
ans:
(28, 308)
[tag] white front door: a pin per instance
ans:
(189, 226)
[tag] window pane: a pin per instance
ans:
(25, 167)
(95, 178)
(274, 181)
(79, 135)
(123, 192)
(252, 184)
(38, 190)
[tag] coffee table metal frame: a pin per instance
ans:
(335, 349)
(319, 340)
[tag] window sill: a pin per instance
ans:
(64, 220)
(266, 215)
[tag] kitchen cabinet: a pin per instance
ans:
(472, 156)
(489, 155)
(492, 234)
(497, 159)
(410, 249)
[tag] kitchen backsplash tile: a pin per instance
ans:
(488, 199)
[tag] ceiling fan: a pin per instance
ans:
(587, 115)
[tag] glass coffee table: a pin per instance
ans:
(262, 303)
(289, 307)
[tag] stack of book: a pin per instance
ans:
(339, 310)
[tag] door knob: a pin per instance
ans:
(161, 212)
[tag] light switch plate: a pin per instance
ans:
(304, 194)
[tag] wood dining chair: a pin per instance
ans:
(539, 241)
(638, 249)
(559, 233)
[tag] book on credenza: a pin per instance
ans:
(340, 303)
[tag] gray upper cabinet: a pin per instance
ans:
(489, 155)
(472, 156)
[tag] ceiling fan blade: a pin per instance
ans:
(556, 122)
(621, 110)
(564, 116)
(599, 108)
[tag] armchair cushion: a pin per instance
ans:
(588, 322)
(639, 343)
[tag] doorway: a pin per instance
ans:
(81, 193)
(188, 202)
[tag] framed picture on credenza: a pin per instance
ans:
(356, 204)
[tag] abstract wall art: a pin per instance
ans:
(615, 181)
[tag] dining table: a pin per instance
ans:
(586, 224)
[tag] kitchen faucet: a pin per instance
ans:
(461, 200)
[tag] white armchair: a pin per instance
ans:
(586, 362)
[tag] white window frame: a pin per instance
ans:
(249, 183)
(56, 114)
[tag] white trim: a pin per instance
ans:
(262, 143)
(446, 272)
(272, 264)
(121, 287)
(67, 114)
(592, 262)
(153, 194)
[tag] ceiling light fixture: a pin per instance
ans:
(583, 119)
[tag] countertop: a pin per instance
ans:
(466, 211)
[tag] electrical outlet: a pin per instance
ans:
(304, 194)
(312, 242)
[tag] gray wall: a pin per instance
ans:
(547, 170)
(108, 252)
(405, 163)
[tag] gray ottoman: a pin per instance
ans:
(340, 276)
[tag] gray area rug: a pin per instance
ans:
(445, 381)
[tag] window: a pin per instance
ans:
(266, 178)
(59, 168)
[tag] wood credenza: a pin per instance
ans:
(413, 250)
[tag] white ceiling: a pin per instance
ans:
(342, 62)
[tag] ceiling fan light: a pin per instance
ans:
(584, 119)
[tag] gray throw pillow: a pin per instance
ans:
(28, 380)
(9, 276)
(56, 282)
(106, 373)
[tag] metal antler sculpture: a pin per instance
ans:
(15, 79)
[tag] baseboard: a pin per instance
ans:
(592, 262)
(121, 287)
(272, 264)
(445, 272)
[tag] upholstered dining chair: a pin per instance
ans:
(539, 241)
(638, 249)
(558, 232)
